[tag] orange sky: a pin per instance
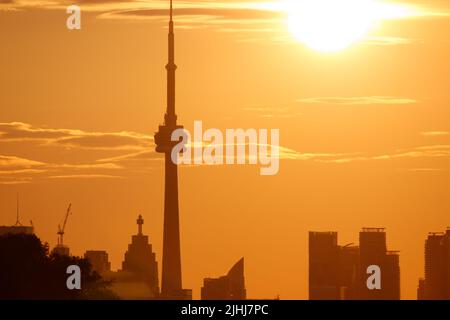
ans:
(366, 132)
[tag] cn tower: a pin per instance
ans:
(171, 286)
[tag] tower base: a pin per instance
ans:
(183, 294)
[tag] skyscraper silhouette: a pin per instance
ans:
(171, 286)
(436, 285)
(333, 269)
(340, 272)
(229, 287)
(323, 266)
(348, 271)
(373, 251)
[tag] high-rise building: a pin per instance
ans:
(421, 289)
(390, 273)
(229, 287)
(340, 272)
(373, 251)
(348, 271)
(446, 254)
(323, 266)
(437, 266)
(140, 260)
(434, 267)
(99, 260)
(171, 285)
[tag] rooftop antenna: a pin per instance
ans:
(17, 212)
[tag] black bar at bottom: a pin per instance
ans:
(198, 310)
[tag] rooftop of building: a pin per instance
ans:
(373, 229)
(322, 232)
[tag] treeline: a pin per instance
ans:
(29, 271)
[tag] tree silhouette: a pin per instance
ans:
(28, 271)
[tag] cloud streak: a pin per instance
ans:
(273, 112)
(13, 163)
(124, 154)
(86, 176)
(435, 133)
(362, 100)
(431, 151)
(71, 138)
(389, 41)
(22, 169)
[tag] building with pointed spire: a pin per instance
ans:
(140, 260)
(171, 284)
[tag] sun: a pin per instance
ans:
(330, 25)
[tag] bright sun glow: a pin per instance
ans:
(330, 25)
(333, 25)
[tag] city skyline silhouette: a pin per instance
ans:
(336, 272)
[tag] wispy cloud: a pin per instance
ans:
(23, 169)
(19, 170)
(85, 176)
(362, 100)
(85, 166)
(389, 41)
(15, 181)
(229, 13)
(274, 112)
(73, 138)
(291, 154)
(13, 162)
(20, 167)
(435, 133)
(431, 151)
(108, 158)
(135, 156)
(425, 169)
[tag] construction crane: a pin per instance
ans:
(61, 230)
(17, 212)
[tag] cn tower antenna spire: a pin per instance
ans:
(170, 117)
